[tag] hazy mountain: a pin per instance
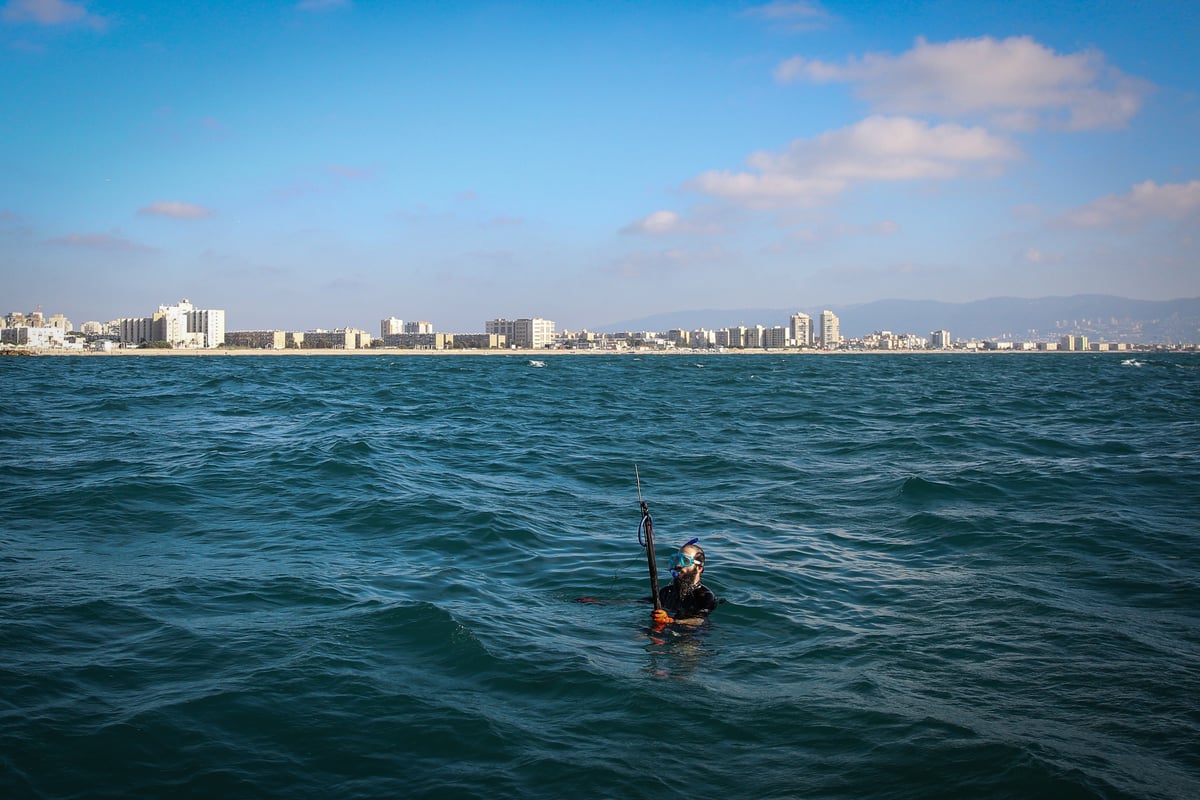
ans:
(1113, 318)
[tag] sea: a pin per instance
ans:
(387, 576)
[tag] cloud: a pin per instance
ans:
(793, 16)
(664, 223)
(100, 241)
(658, 223)
(51, 13)
(1146, 201)
(815, 171)
(1014, 83)
(175, 209)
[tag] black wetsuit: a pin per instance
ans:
(697, 604)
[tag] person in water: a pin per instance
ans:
(686, 600)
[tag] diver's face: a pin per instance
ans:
(684, 566)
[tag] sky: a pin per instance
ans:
(331, 163)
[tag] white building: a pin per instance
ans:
(831, 330)
(390, 326)
(422, 327)
(939, 340)
(529, 332)
(29, 336)
(800, 329)
(181, 325)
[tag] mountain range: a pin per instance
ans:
(1102, 317)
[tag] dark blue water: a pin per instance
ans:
(944, 576)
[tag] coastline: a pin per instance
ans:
(527, 353)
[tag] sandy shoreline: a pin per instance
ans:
(531, 354)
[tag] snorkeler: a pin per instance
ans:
(686, 600)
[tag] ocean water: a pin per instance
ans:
(943, 576)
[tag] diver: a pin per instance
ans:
(685, 600)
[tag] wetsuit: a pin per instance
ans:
(697, 604)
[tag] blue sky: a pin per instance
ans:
(324, 163)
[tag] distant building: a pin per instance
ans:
(419, 341)
(181, 325)
(257, 340)
(418, 327)
(775, 338)
(1073, 342)
(36, 320)
(135, 330)
(831, 330)
(338, 339)
(30, 336)
(530, 333)
(389, 326)
(939, 340)
(732, 337)
(478, 341)
(800, 329)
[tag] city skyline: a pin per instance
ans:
(1099, 318)
(320, 163)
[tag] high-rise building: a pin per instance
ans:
(390, 326)
(732, 337)
(529, 332)
(831, 330)
(181, 325)
(939, 340)
(800, 329)
(1073, 342)
(775, 338)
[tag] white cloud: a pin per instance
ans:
(662, 223)
(176, 209)
(51, 12)
(658, 223)
(1015, 83)
(1145, 201)
(797, 15)
(815, 171)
